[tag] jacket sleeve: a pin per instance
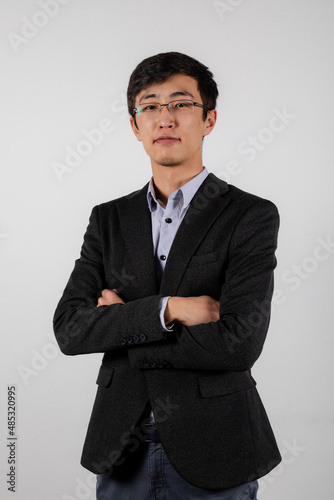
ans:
(80, 327)
(236, 340)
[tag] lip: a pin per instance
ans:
(166, 139)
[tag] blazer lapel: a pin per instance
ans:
(135, 220)
(207, 204)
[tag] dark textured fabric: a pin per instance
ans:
(197, 380)
(152, 433)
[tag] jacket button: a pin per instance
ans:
(160, 365)
(135, 338)
(122, 341)
(153, 364)
(143, 337)
(129, 339)
(146, 363)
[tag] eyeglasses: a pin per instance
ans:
(179, 107)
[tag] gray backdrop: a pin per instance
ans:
(67, 145)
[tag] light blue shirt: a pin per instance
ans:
(166, 221)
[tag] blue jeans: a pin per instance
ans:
(156, 479)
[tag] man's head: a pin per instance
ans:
(172, 99)
(161, 67)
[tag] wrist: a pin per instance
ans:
(171, 311)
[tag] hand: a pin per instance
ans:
(191, 311)
(109, 297)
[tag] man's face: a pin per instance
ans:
(172, 139)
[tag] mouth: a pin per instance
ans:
(166, 140)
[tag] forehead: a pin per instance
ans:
(175, 87)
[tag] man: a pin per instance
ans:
(173, 285)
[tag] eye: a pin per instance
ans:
(182, 104)
(145, 108)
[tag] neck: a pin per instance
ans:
(169, 179)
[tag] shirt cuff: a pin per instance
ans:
(162, 308)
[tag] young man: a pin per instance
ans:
(173, 285)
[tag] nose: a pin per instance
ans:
(166, 118)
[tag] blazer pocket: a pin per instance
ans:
(204, 258)
(221, 384)
(105, 376)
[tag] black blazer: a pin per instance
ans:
(211, 420)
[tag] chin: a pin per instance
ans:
(169, 162)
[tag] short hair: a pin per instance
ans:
(159, 68)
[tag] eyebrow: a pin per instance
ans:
(174, 94)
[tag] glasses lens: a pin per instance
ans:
(182, 107)
(148, 109)
(152, 109)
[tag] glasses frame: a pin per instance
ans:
(135, 110)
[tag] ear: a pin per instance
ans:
(135, 128)
(210, 121)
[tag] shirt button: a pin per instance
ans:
(168, 220)
(162, 257)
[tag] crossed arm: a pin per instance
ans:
(189, 311)
(203, 339)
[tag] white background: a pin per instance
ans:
(71, 72)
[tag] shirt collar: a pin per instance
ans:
(186, 192)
